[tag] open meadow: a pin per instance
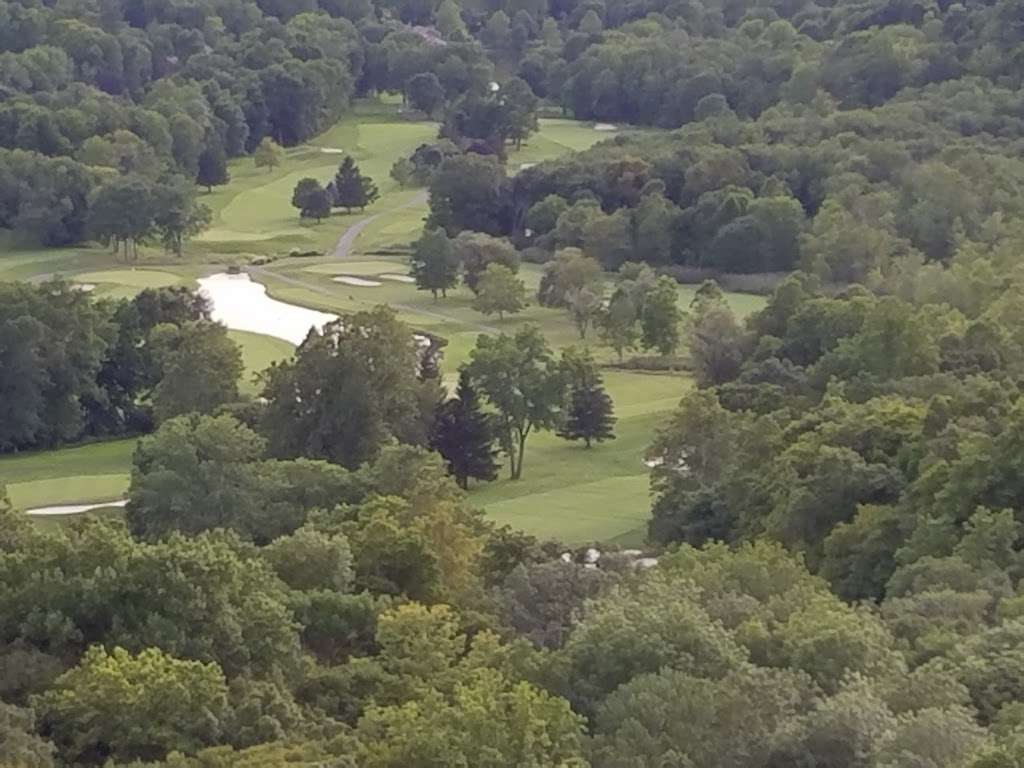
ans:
(567, 492)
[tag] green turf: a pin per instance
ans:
(73, 489)
(348, 267)
(253, 212)
(582, 495)
(258, 352)
(83, 474)
(567, 491)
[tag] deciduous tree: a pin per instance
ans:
(199, 368)
(268, 154)
(435, 266)
(660, 318)
(523, 383)
(499, 292)
(213, 167)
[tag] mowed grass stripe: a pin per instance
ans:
(580, 514)
(75, 489)
(112, 457)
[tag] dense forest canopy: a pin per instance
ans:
(300, 579)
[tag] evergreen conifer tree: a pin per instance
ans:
(213, 167)
(351, 189)
(463, 435)
(589, 416)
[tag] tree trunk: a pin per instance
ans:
(518, 471)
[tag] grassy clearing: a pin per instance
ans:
(567, 492)
(253, 212)
(578, 495)
(83, 489)
(258, 353)
(83, 474)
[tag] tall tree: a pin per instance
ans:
(403, 171)
(178, 217)
(618, 323)
(312, 200)
(199, 368)
(717, 342)
(350, 188)
(126, 707)
(213, 167)
(589, 415)
(268, 154)
(122, 211)
(499, 291)
(476, 251)
(349, 390)
(584, 306)
(525, 385)
(660, 317)
(463, 435)
(435, 266)
(569, 271)
(424, 92)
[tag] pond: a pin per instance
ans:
(243, 305)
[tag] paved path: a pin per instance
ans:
(348, 237)
(342, 250)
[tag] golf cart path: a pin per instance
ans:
(342, 250)
(348, 237)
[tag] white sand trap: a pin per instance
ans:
(397, 278)
(332, 151)
(524, 166)
(73, 509)
(605, 127)
(357, 281)
(243, 305)
(84, 287)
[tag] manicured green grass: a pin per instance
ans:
(87, 473)
(94, 459)
(258, 352)
(83, 489)
(253, 212)
(581, 495)
(568, 492)
(347, 267)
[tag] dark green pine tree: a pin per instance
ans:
(213, 167)
(463, 435)
(352, 189)
(590, 414)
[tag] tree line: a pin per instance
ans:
(76, 369)
(164, 92)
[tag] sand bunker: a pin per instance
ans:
(332, 151)
(357, 281)
(73, 509)
(243, 305)
(524, 166)
(84, 287)
(604, 127)
(397, 278)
